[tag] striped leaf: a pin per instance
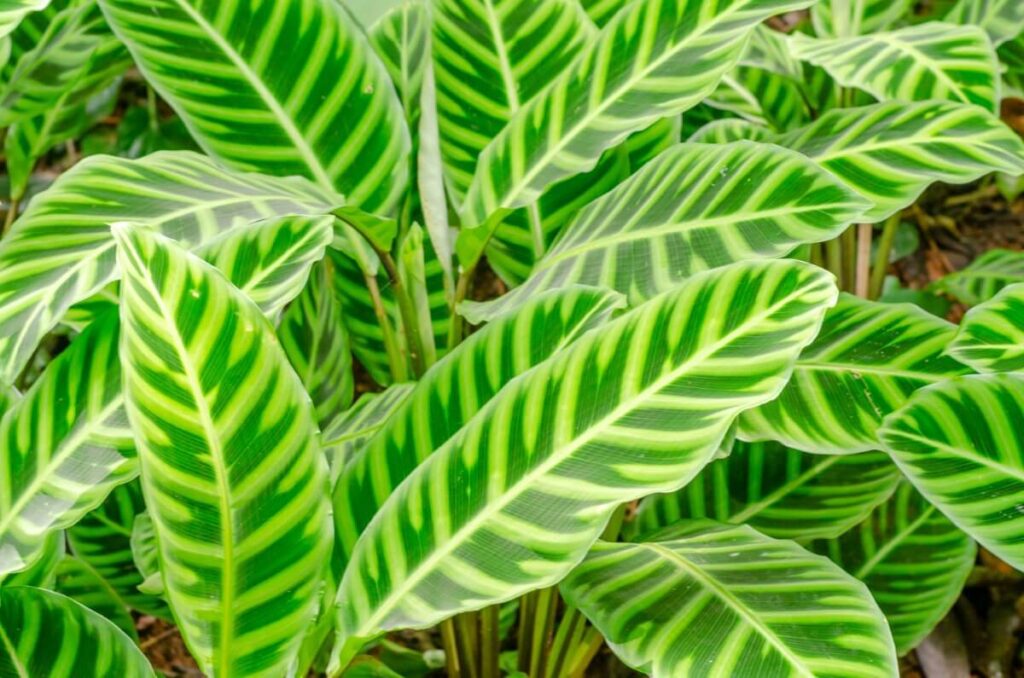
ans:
(984, 277)
(60, 251)
(1011, 56)
(891, 152)
(847, 18)
(316, 343)
(145, 555)
(654, 59)
(453, 392)
(222, 423)
(27, 34)
(1002, 19)
(42, 573)
(645, 145)
(718, 600)
(602, 11)
(668, 221)
(345, 435)
(991, 336)
(729, 130)
(13, 11)
(79, 581)
(780, 492)
(66, 445)
(514, 499)
(960, 443)
(865, 363)
(929, 61)
(309, 98)
(913, 560)
(47, 634)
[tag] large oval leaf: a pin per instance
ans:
(984, 277)
(309, 98)
(81, 582)
(866, 362)
(517, 496)
(961, 443)
(715, 600)
(221, 421)
(1002, 19)
(991, 336)
(346, 434)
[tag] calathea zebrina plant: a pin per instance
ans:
(673, 436)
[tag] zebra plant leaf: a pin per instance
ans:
(42, 573)
(1003, 20)
(453, 392)
(12, 12)
(66, 445)
(729, 130)
(79, 581)
(668, 221)
(991, 336)
(145, 556)
(706, 599)
(242, 566)
(865, 363)
(651, 61)
(984, 277)
(601, 11)
(514, 499)
(345, 435)
(309, 98)
(929, 61)
(60, 251)
(891, 152)
(846, 18)
(960, 444)
(913, 560)
(780, 492)
(47, 634)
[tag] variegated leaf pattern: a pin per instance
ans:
(453, 392)
(514, 499)
(706, 599)
(984, 277)
(693, 208)
(645, 145)
(13, 12)
(729, 130)
(865, 363)
(780, 492)
(66, 445)
(46, 634)
(960, 443)
(28, 33)
(309, 98)
(846, 18)
(1002, 19)
(43, 572)
(913, 560)
(220, 419)
(145, 555)
(654, 59)
(761, 97)
(891, 152)
(60, 251)
(316, 343)
(991, 336)
(602, 11)
(929, 61)
(79, 581)
(343, 437)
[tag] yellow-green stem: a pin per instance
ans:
(881, 266)
(490, 642)
(451, 651)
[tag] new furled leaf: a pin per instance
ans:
(991, 336)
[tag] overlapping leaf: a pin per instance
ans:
(729, 130)
(13, 11)
(693, 208)
(43, 572)
(928, 61)
(345, 435)
(984, 277)
(991, 336)
(865, 363)
(1002, 19)
(309, 98)
(221, 420)
(761, 97)
(780, 492)
(654, 59)
(960, 442)
(716, 600)
(514, 499)
(79, 581)
(912, 559)
(845, 18)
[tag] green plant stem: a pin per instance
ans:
(849, 249)
(569, 631)
(407, 311)
(456, 329)
(490, 642)
(467, 640)
(543, 628)
(614, 526)
(834, 260)
(154, 115)
(397, 363)
(450, 646)
(12, 214)
(525, 631)
(585, 653)
(881, 266)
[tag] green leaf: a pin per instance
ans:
(602, 11)
(650, 62)
(309, 98)
(344, 436)
(645, 145)
(983, 278)
(47, 634)
(453, 392)
(42, 573)
(929, 61)
(1002, 19)
(865, 363)
(843, 18)
(221, 421)
(316, 343)
(79, 581)
(960, 443)
(891, 152)
(379, 231)
(515, 498)
(913, 561)
(66, 445)
(729, 130)
(780, 492)
(13, 12)
(991, 336)
(60, 251)
(762, 97)
(145, 555)
(668, 221)
(716, 600)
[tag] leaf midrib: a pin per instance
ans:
(891, 545)
(11, 651)
(779, 493)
